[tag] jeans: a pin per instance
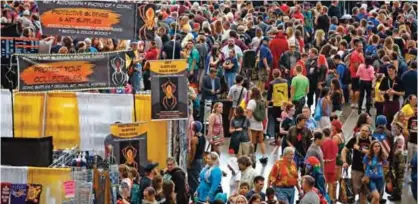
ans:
(137, 81)
(365, 87)
(299, 104)
(230, 78)
(285, 194)
(193, 175)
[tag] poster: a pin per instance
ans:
(5, 193)
(69, 189)
(146, 21)
(127, 144)
(72, 72)
(169, 97)
(12, 45)
(98, 19)
(34, 193)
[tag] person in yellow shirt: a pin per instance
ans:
(408, 108)
(378, 97)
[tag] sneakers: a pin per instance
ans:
(263, 160)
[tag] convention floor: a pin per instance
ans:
(349, 119)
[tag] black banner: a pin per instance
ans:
(72, 72)
(102, 19)
(12, 45)
(146, 22)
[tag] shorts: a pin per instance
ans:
(358, 186)
(257, 136)
(244, 149)
(355, 84)
(376, 184)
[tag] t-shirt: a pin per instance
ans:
(412, 127)
(265, 53)
(252, 192)
(357, 154)
(310, 198)
(355, 57)
(278, 92)
(410, 77)
(255, 125)
(388, 83)
(234, 68)
(374, 168)
(239, 123)
(194, 55)
(300, 83)
(315, 150)
(287, 123)
(235, 92)
(408, 110)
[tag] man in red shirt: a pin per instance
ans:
(356, 59)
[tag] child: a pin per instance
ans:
(244, 188)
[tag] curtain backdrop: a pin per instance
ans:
(62, 120)
(28, 114)
(6, 113)
(14, 174)
(97, 112)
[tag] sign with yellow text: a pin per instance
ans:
(128, 130)
(102, 19)
(168, 67)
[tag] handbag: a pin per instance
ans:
(218, 139)
(346, 194)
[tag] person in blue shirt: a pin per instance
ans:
(410, 77)
(210, 180)
(373, 163)
(311, 124)
(230, 66)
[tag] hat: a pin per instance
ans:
(149, 167)
(313, 161)
(381, 120)
(337, 124)
(26, 13)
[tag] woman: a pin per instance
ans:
(157, 184)
(287, 121)
(408, 108)
(240, 133)
(215, 129)
(255, 199)
(401, 118)
(210, 179)
(337, 98)
(319, 39)
(300, 40)
(241, 200)
(373, 163)
(325, 104)
(215, 60)
(366, 74)
(363, 119)
(168, 192)
(378, 96)
(256, 41)
(338, 137)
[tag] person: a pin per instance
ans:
(397, 163)
(283, 177)
(270, 196)
(356, 59)
(216, 129)
(289, 59)
(392, 87)
(343, 74)
(191, 54)
(339, 140)
(299, 89)
(265, 62)
(195, 157)
(374, 162)
(360, 146)
(408, 108)
(135, 68)
(300, 138)
(277, 94)
(211, 86)
(168, 192)
(314, 169)
(410, 77)
(414, 167)
(177, 175)
(149, 196)
(366, 74)
(215, 59)
(383, 135)
(237, 91)
(309, 196)
(278, 45)
(315, 148)
(157, 184)
(311, 124)
(286, 123)
(240, 142)
(248, 173)
(210, 179)
(230, 66)
(412, 140)
(255, 199)
(241, 200)
(146, 181)
(257, 189)
(378, 96)
(325, 104)
(232, 165)
(337, 97)
(256, 125)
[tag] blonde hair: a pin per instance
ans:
(215, 106)
(289, 32)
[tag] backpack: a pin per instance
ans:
(318, 110)
(260, 111)
(371, 50)
(346, 78)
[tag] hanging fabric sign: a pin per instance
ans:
(69, 189)
(146, 21)
(88, 18)
(167, 67)
(72, 72)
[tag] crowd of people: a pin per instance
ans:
(275, 60)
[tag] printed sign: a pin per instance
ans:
(69, 189)
(146, 22)
(66, 72)
(169, 97)
(88, 18)
(12, 45)
(163, 67)
(5, 193)
(127, 130)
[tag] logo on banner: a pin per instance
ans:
(169, 100)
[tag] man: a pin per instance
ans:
(195, 157)
(342, 72)
(264, 64)
(309, 196)
(278, 45)
(299, 89)
(193, 60)
(300, 138)
(178, 177)
(302, 63)
(89, 48)
(288, 60)
(360, 147)
(315, 148)
(258, 188)
(393, 88)
(238, 52)
(410, 77)
(237, 92)
(248, 173)
(243, 36)
(146, 181)
(356, 59)
(211, 86)
(203, 49)
(169, 47)
(334, 10)
(311, 124)
(149, 196)
(284, 183)
(277, 94)
(316, 74)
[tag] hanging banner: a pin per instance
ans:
(99, 19)
(69, 72)
(167, 67)
(12, 45)
(146, 21)
(169, 97)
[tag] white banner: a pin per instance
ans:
(6, 114)
(97, 112)
(14, 174)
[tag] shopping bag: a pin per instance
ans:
(346, 194)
